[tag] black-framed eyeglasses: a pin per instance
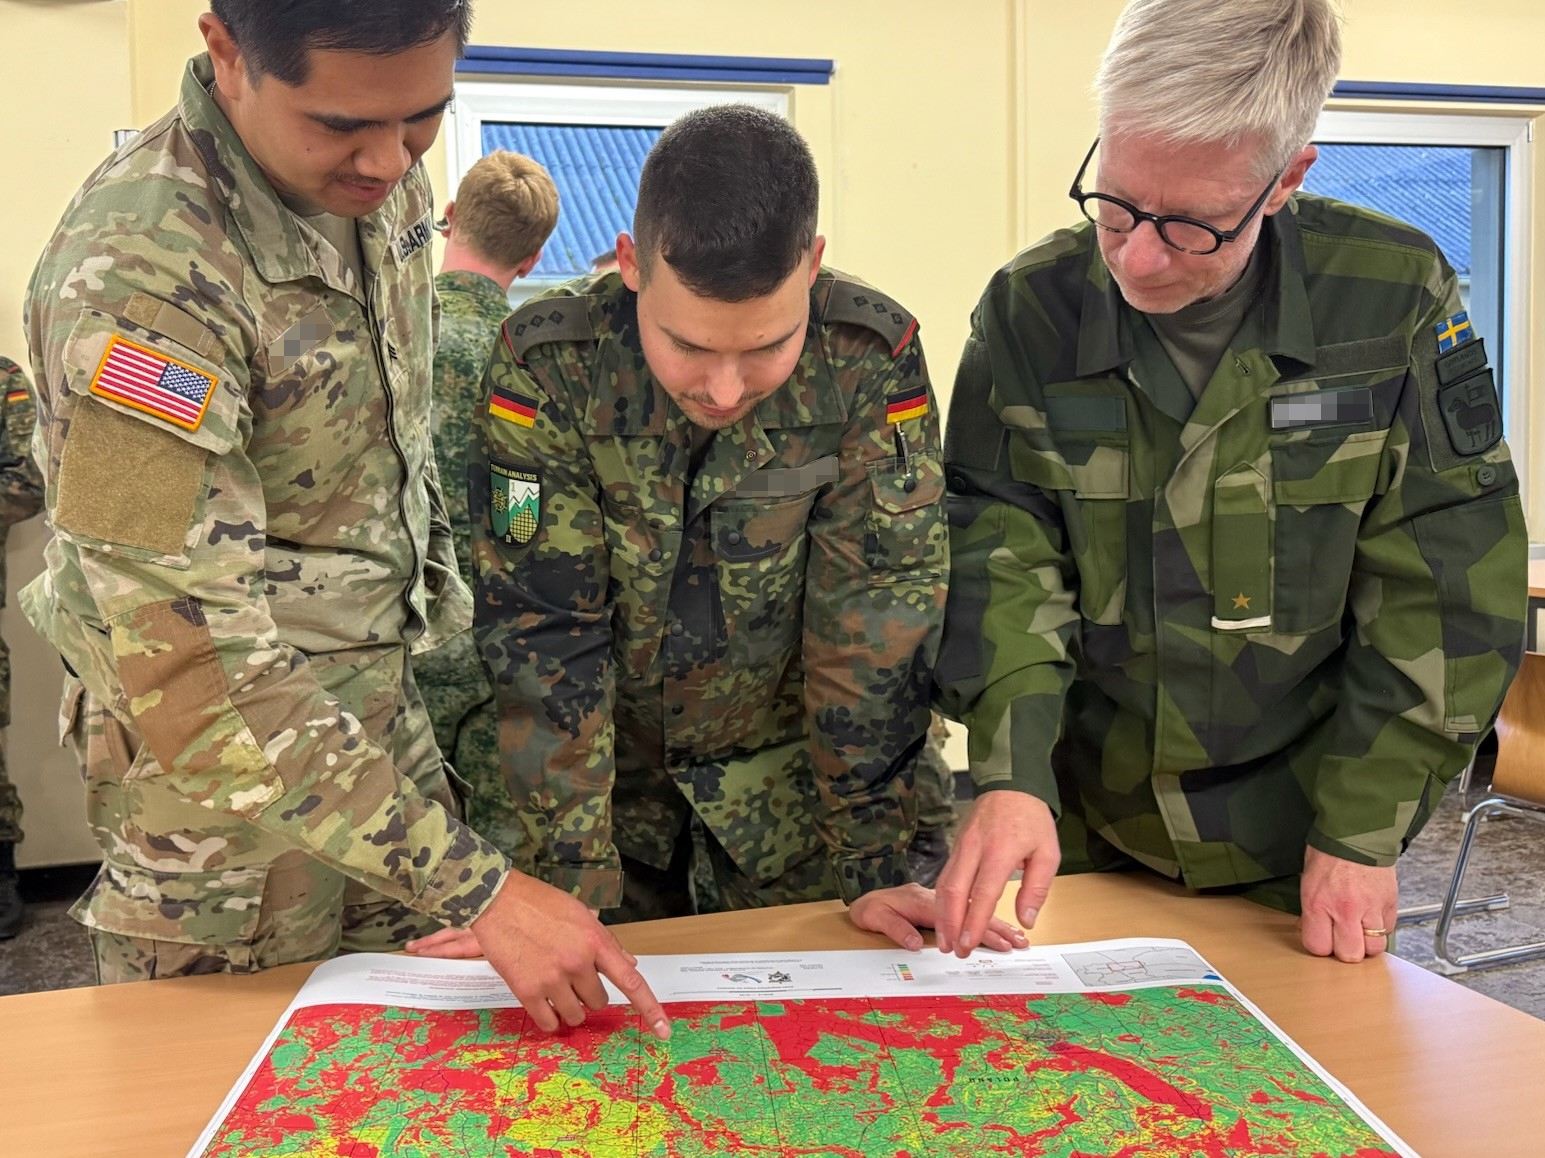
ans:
(1186, 234)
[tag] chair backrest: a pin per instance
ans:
(1520, 769)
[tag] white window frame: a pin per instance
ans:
(1512, 132)
(577, 103)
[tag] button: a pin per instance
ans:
(677, 709)
(656, 555)
(1486, 475)
(733, 538)
(957, 480)
(910, 485)
(750, 456)
(677, 629)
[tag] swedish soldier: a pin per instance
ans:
(1239, 556)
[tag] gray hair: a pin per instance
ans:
(1205, 71)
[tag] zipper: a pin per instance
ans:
(377, 342)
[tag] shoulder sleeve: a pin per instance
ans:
(157, 594)
(853, 302)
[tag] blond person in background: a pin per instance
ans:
(505, 209)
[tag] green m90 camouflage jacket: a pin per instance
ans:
(753, 638)
(1218, 629)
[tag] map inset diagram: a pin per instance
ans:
(1137, 965)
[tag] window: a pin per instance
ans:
(1464, 181)
(592, 138)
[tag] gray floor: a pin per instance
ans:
(51, 952)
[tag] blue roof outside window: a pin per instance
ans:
(596, 169)
(1425, 186)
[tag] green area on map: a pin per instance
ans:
(1174, 1071)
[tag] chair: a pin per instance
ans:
(1517, 790)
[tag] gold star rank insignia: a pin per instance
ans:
(1241, 602)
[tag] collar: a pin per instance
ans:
(1286, 325)
(626, 397)
(476, 285)
(277, 247)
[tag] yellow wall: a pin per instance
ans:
(66, 89)
(914, 202)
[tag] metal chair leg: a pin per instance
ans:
(1448, 962)
(1421, 914)
(1465, 777)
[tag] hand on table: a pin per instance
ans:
(898, 913)
(1342, 902)
(1008, 830)
(551, 952)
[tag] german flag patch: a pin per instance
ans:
(911, 403)
(512, 407)
(16, 396)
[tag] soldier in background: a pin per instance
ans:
(21, 496)
(711, 549)
(232, 334)
(1239, 559)
(505, 209)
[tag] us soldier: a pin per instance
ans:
(21, 495)
(711, 554)
(232, 334)
(506, 207)
(1239, 556)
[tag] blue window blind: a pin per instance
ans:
(596, 169)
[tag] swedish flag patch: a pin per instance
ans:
(1454, 331)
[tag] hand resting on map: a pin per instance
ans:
(552, 952)
(898, 913)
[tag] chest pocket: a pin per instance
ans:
(1090, 480)
(762, 548)
(642, 564)
(1321, 484)
(906, 536)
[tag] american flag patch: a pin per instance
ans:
(145, 380)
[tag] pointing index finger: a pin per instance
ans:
(613, 963)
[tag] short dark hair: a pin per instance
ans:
(275, 36)
(728, 197)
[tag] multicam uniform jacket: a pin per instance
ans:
(752, 640)
(234, 434)
(1216, 629)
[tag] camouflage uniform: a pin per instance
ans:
(743, 646)
(1210, 631)
(21, 495)
(238, 591)
(460, 702)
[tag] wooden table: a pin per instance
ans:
(137, 1070)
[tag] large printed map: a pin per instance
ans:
(1173, 1071)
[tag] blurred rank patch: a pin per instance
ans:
(1322, 408)
(301, 338)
